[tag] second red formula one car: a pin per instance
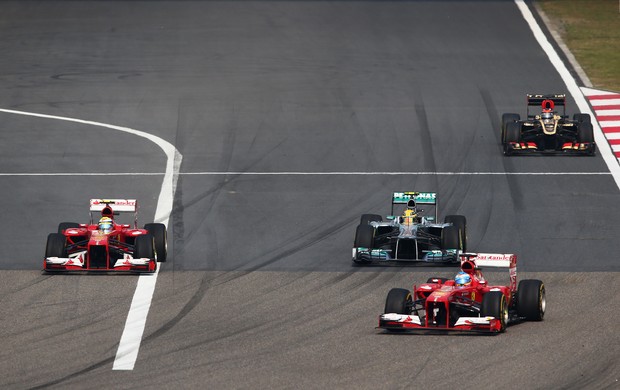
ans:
(106, 245)
(467, 302)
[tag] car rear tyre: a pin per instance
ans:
(144, 247)
(494, 305)
(450, 238)
(461, 223)
(531, 300)
(56, 245)
(158, 231)
(67, 225)
(508, 118)
(398, 301)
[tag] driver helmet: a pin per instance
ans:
(410, 213)
(106, 224)
(462, 279)
(409, 217)
(547, 114)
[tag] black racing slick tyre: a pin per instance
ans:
(364, 237)
(461, 223)
(144, 247)
(582, 118)
(513, 134)
(585, 132)
(158, 231)
(365, 219)
(450, 238)
(398, 301)
(56, 245)
(67, 225)
(494, 305)
(508, 118)
(531, 300)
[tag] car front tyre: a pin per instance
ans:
(144, 247)
(160, 235)
(56, 245)
(461, 223)
(450, 238)
(513, 134)
(494, 305)
(508, 118)
(398, 301)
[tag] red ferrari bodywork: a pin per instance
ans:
(440, 305)
(83, 247)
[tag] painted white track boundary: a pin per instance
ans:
(315, 174)
(601, 142)
(131, 338)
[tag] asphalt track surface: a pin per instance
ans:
(259, 291)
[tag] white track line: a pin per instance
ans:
(394, 173)
(317, 174)
(577, 94)
(85, 174)
(129, 344)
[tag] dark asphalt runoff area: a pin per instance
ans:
(293, 118)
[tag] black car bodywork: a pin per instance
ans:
(548, 130)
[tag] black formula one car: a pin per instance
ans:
(547, 131)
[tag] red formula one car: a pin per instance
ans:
(107, 245)
(466, 303)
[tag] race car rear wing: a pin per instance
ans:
(118, 205)
(546, 101)
(537, 100)
(403, 197)
(470, 263)
(111, 207)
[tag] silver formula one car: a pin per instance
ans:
(413, 235)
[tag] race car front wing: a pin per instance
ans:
(367, 255)
(77, 262)
(575, 148)
(410, 322)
